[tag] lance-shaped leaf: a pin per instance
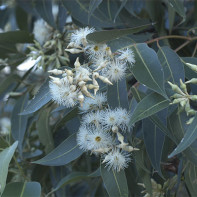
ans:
(63, 154)
(117, 94)
(172, 66)
(13, 37)
(22, 189)
(18, 122)
(5, 158)
(107, 35)
(44, 131)
(44, 9)
(115, 182)
(190, 178)
(40, 99)
(147, 69)
(189, 137)
(148, 106)
(178, 7)
(92, 7)
(74, 177)
(154, 140)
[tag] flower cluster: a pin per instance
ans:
(110, 65)
(102, 132)
(74, 84)
(182, 97)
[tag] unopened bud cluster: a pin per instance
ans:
(183, 98)
(74, 84)
(102, 132)
(157, 189)
(48, 46)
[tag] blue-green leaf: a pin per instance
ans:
(5, 158)
(40, 99)
(189, 137)
(148, 106)
(147, 69)
(19, 123)
(172, 66)
(63, 154)
(92, 7)
(117, 94)
(22, 189)
(115, 182)
(178, 6)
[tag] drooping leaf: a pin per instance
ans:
(22, 189)
(21, 18)
(189, 137)
(63, 154)
(92, 7)
(147, 69)
(44, 8)
(44, 131)
(148, 106)
(107, 35)
(190, 178)
(115, 182)
(117, 94)
(62, 15)
(171, 17)
(178, 7)
(123, 3)
(172, 66)
(154, 140)
(40, 99)
(19, 123)
(13, 37)
(5, 158)
(178, 127)
(70, 178)
(8, 84)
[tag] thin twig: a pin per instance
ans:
(183, 45)
(195, 48)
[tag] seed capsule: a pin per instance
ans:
(193, 80)
(105, 80)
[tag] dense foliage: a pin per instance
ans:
(98, 98)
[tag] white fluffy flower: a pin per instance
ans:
(116, 71)
(124, 118)
(83, 138)
(41, 31)
(79, 36)
(92, 104)
(99, 139)
(117, 160)
(110, 118)
(93, 118)
(94, 51)
(126, 55)
(63, 94)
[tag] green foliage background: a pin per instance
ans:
(41, 157)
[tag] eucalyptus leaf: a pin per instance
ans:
(106, 35)
(63, 154)
(22, 189)
(115, 182)
(148, 106)
(172, 66)
(92, 7)
(44, 131)
(189, 137)
(117, 94)
(178, 7)
(40, 99)
(5, 158)
(19, 123)
(147, 69)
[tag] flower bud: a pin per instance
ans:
(77, 63)
(105, 80)
(193, 80)
(192, 66)
(175, 88)
(74, 51)
(56, 72)
(85, 91)
(183, 86)
(81, 99)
